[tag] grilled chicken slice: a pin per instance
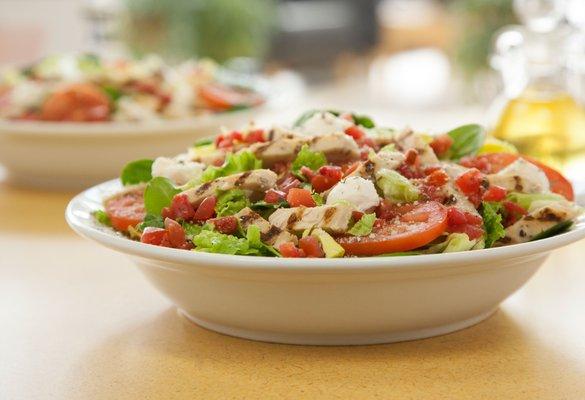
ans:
(332, 218)
(539, 220)
(254, 183)
(337, 147)
(521, 176)
(408, 139)
(270, 234)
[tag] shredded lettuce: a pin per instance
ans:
(137, 172)
(307, 158)
(492, 223)
(364, 226)
(455, 242)
(234, 163)
(318, 199)
(396, 187)
(102, 217)
(525, 200)
(214, 242)
(230, 202)
(158, 194)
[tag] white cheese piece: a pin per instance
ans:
(324, 123)
(356, 190)
(178, 170)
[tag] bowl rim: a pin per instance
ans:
(79, 219)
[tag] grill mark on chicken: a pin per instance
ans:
(328, 216)
(201, 189)
(271, 135)
(271, 234)
(242, 179)
(295, 216)
(549, 216)
(518, 183)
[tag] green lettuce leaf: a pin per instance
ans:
(364, 226)
(230, 202)
(138, 171)
(102, 217)
(254, 239)
(307, 158)
(396, 187)
(234, 163)
(492, 223)
(455, 242)
(525, 200)
(158, 194)
(214, 242)
(467, 140)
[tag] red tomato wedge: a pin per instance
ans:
(126, 210)
(222, 97)
(494, 162)
(416, 228)
(80, 102)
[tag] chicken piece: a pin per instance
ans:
(454, 198)
(270, 234)
(408, 139)
(337, 147)
(332, 218)
(539, 220)
(324, 123)
(254, 183)
(521, 176)
(386, 160)
(283, 149)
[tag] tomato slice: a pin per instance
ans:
(417, 227)
(494, 162)
(80, 102)
(126, 210)
(297, 197)
(223, 97)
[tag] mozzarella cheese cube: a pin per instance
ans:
(356, 190)
(179, 171)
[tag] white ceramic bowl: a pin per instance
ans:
(57, 155)
(327, 301)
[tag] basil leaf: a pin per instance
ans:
(151, 220)
(467, 140)
(137, 172)
(158, 194)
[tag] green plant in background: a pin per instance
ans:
(478, 22)
(218, 29)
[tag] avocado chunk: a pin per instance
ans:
(331, 248)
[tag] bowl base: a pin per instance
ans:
(337, 340)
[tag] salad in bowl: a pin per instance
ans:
(336, 185)
(87, 88)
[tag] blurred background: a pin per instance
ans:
(516, 66)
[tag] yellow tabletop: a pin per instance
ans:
(77, 321)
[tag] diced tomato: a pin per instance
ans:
(126, 210)
(181, 208)
(311, 246)
(411, 157)
(494, 162)
(222, 97)
(415, 228)
(429, 170)
(331, 171)
(441, 144)
(289, 250)
(206, 209)
(455, 216)
(289, 183)
(356, 215)
(472, 231)
(387, 210)
(274, 196)
(473, 219)
(356, 133)
(307, 172)
(369, 142)
(460, 221)
(255, 136)
(176, 233)
(227, 140)
(300, 197)
(322, 183)
(410, 171)
(78, 102)
(472, 184)
(227, 225)
(495, 193)
(437, 178)
(152, 235)
(513, 212)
